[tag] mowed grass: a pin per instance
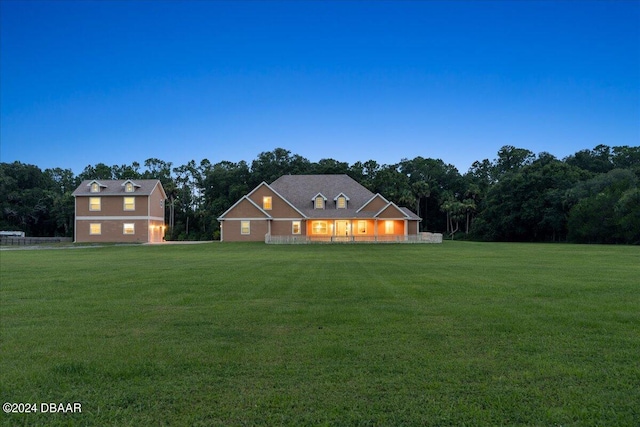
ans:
(247, 334)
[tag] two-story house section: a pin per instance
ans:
(119, 211)
(320, 208)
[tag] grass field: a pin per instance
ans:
(247, 334)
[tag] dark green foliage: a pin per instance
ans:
(590, 196)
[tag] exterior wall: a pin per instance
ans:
(375, 205)
(398, 228)
(244, 209)
(156, 204)
(279, 208)
(112, 231)
(285, 227)
(231, 231)
(413, 227)
(391, 213)
(112, 206)
(370, 228)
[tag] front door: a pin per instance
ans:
(342, 228)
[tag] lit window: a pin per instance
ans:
(295, 227)
(342, 202)
(362, 227)
(95, 187)
(266, 203)
(95, 204)
(319, 202)
(245, 227)
(320, 227)
(128, 188)
(129, 203)
(388, 227)
(129, 228)
(95, 229)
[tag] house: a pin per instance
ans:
(304, 208)
(119, 211)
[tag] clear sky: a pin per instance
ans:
(87, 82)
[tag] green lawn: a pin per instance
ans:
(357, 335)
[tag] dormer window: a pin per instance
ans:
(130, 186)
(95, 187)
(341, 201)
(319, 201)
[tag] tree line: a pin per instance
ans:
(592, 196)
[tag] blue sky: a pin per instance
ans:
(86, 82)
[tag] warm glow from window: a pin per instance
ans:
(266, 203)
(319, 202)
(245, 227)
(128, 188)
(342, 202)
(362, 227)
(295, 227)
(129, 203)
(95, 204)
(388, 227)
(129, 228)
(320, 227)
(95, 188)
(95, 229)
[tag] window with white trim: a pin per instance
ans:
(95, 228)
(128, 187)
(129, 203)
(95, 187)
(296, 227)
(266, 203)
(362, 227)
(341, 203)
(319, 227)
(245, 227)
(95, 204)
(319, 202)
(128, 228)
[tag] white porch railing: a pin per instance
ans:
(412, 238)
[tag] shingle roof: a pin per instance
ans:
(110, 187)
(300, 191)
